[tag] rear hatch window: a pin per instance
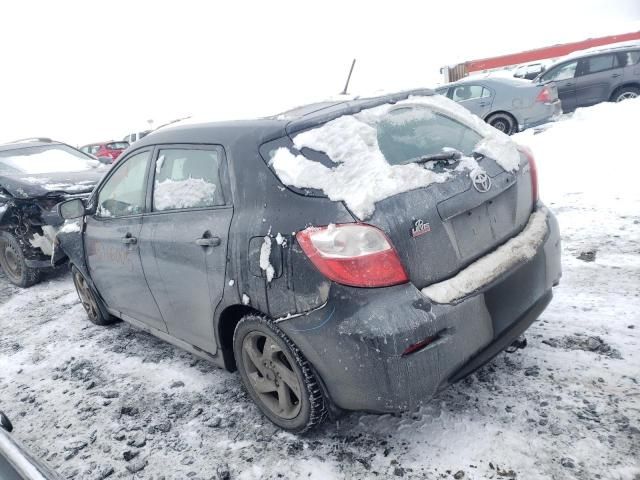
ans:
(407, 134)
(382, 151)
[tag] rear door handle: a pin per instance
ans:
(569, 84)
(129, 239)
(615, 75)
(207, 240)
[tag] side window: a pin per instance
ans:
(123, 194)
(187, 178)
(564, 72)
(631, 58)
(486, 92)
(467, 92)
(599, 64)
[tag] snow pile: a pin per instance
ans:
(188, 193)
(265, 263)
(70, 226)
(362, 176)
(491, 266)
(593, 151)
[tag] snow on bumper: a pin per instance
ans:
(490, 267)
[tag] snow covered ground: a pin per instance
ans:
(114, 402)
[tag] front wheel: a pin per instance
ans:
(277, 376)
(14, 264)
(89, 300)
(503, 122)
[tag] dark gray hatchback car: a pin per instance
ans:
(588, 78)
(228, 240)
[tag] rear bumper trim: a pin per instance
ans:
(487, 269)
(504, 340)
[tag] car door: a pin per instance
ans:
(112, 241)
(184, 239)
(475, 98)
(563, 76)
(597, 78)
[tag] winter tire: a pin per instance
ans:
(625, 93)
(14, 263)
(89, 300)
(277, 376)
(503, 122)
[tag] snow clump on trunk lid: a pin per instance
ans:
(362, 175)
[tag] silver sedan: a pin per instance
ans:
(508, 104)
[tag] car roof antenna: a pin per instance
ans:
(346, 85)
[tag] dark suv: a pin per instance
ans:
(607, 74)
(356, 255)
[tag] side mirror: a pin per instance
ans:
(71, 209)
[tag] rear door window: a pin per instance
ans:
(408, 133)
(563, 72)
(188, 178)
(468, 92)
(599, 63)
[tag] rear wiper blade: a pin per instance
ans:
(452, 155)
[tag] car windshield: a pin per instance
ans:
(409, 133)
(117, 145)
(45, 159)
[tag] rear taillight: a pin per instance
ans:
(353, 254)
(544, 96)
(533, 173)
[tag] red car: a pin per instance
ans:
(106, 152)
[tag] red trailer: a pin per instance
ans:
(456, 72)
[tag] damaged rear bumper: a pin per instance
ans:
(356, 342)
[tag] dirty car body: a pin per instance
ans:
(379, 329)
(33, 179)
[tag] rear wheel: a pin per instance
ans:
(89, 300)
(14, 263)
(625, 93)
(277, 376)
(503, 122)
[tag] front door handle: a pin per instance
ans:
(615, 75)
(207, 240)
(129, 239)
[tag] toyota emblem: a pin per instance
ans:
(481, 181)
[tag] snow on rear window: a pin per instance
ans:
(363, 175)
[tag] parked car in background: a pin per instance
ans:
(134, 137)
(223, 239)
(106, 152)
(35, 175)
(594, 76)
(508, 104)
(16, 463)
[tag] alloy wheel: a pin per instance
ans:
(271, 375)
(626, 96)
(86, 296)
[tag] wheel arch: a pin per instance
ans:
(516, 123)
(226, 326)
(632, 84)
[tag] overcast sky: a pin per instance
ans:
(96, 70)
